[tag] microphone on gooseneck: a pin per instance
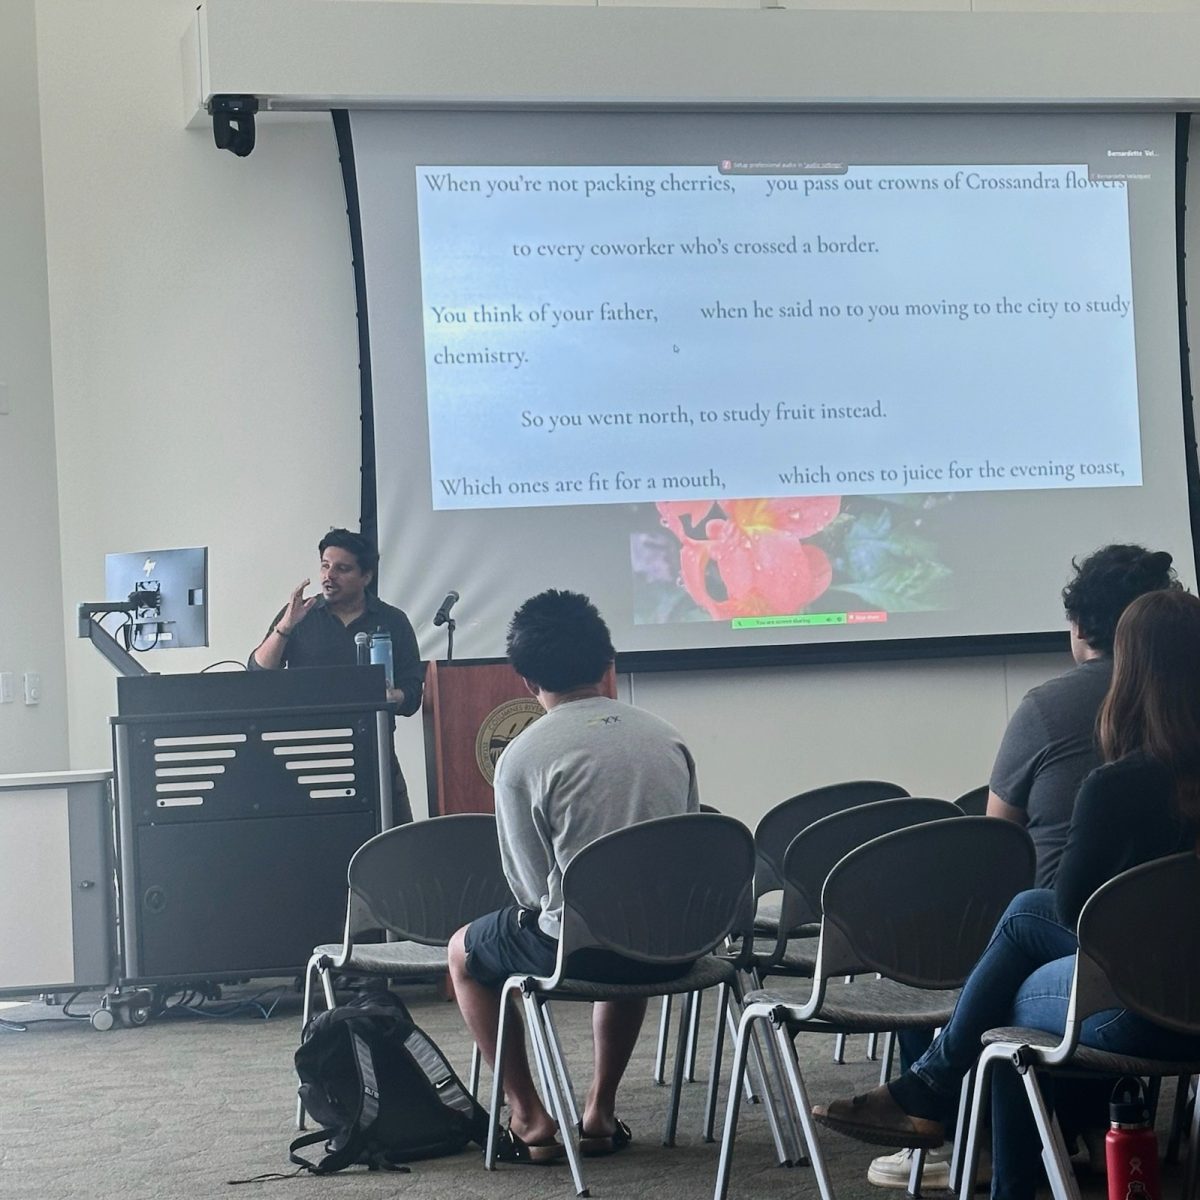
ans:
(362, 649)
(443, 614)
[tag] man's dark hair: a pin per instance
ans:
(353, 543)
(1107, 582)
(559, 641)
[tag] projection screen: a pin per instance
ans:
(767, 380)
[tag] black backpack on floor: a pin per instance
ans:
(381, 1089)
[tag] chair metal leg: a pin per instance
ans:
(1153, 1091)
(560, 1063)
(960, 1129)
(981, 1092)
(915, 1174)
(685, 1021)
(489, 1155)
(1054, 1152)
(693, 1038)
(839, 1042)
(327, 987)
(889, 1056)
(536, 1029)
(800, 1101)
(664, 1032)
(776, 1085)
(1178, 1116)
(1192, 1177)
(714, 1070)
(476, 1066)
(731, 1021)
(741, 1050)
(304, 1018)
(872, 1047)
(770, 1087)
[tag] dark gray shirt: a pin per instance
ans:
(1047, 750)
(321, 640)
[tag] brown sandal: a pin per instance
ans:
(876, 1118)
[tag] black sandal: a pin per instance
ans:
(511, 1149)
(594, 1147)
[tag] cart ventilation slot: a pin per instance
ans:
(211, 739)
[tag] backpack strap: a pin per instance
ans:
(441, 1075)
(333, 1161)
(447, 1085)
(352, 1149)
(336, 1160)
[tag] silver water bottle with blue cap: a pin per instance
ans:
(381, 654)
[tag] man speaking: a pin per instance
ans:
(318, 631)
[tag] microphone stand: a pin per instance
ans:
(449, 639)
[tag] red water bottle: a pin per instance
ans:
(1130, 1147)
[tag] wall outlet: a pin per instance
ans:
(33, 687)
(7, 687)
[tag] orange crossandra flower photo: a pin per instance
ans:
(719, 560)
(759, 550)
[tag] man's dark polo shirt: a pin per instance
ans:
(321, 640)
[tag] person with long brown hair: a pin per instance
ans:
(1141, 804)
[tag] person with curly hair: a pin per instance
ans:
(1143, 803)
(1050, 744)
(1048, 748)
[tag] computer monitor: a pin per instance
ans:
(170, 588)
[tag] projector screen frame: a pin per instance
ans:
(900, 649)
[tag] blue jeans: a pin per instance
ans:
(1024, 978)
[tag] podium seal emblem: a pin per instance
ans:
(499, 728)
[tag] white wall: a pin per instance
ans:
(205, 354)
(31, 638)
(206, 392)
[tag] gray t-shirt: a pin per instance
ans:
(1047, 750)
(587, 768)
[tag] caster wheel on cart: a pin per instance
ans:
(102, 1020)
(136, 1009)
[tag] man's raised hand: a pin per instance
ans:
(297, 609)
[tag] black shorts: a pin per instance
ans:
(510, 942)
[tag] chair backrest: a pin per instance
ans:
(1140, 930)
(974, 802)
(667, 890)
(815, 851)
(775, 831)
(920, 905)
(425, 880)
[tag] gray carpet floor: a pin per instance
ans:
(178, 1107)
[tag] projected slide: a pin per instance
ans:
(617, 334)
(763, 379)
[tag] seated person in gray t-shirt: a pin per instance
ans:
(1049, 745)
(590, 766)
(1049, 748)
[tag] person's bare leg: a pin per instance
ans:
(615, 1028)
(480, 1008)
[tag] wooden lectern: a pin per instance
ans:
(472, 710)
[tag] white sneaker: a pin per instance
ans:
(892, 1170)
